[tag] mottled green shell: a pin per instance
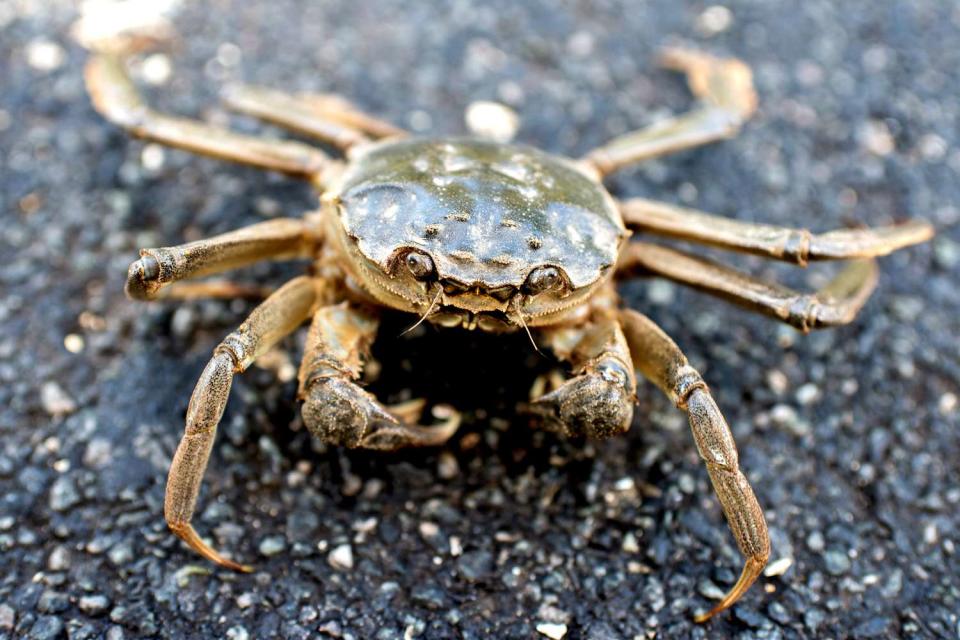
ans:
(487, 213)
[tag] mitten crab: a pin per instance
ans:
(470, 233)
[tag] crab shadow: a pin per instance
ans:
(488, 378)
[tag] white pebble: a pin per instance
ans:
(492, 120)
(341, 558)
(714, 19)
(157, 69)
(777, 381)
(807, 394)
(778, 567)
(152, 157)
(55, 400)
(947, 404)
(551, 630)
(73, 343)
(876, 138)
(45, 55)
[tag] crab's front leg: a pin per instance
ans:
(336, 409)
(279, 315)
(661, 361)
(598, 400)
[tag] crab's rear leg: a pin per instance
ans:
(598, 400)
(281, 238)
(276, 317)
(837, 303)
(117, 99)
(328, 118)
(798, 246)
(336, 409)
(660, 360)
(727, 99)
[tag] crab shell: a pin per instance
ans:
(486, 213)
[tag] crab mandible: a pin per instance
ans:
(476, 234)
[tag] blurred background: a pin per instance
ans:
(849, 436)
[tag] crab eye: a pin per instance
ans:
(543, 279)
(419, 264)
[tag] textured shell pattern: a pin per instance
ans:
(486, 213)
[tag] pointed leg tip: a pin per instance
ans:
(188, 534)
(230, 564)
(751, 571)
(700, 618)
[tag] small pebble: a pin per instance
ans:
(8, 617)
(45, 55)
(807, 394)
(714, 19)
(778, 567)
(272, 545)
(779, 613)
(447, 466)
(245, 600)
(815, 541)
(63, 494)
(237, 633)
(73, 343)
(492, 120)
(59, 559)
(46, 628)
(341, 557)
(121, 553)
(55, 400)
(53, 602)
(94, 605)
(947, 404)
(777, 381)
(428, 596)
(708, 589)
(552, 630)
(837, 562)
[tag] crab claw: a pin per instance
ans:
(340, 412)
(598, 403)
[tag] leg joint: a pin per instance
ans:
(797, 246)
(686, 381)
(803, 313)
(240, 347)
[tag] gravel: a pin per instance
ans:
(850, 437)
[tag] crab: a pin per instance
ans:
(476, 234)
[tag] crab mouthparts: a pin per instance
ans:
(450, 316)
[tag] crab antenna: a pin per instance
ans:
(426, 313)
(525, 327)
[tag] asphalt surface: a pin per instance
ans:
(849, 436)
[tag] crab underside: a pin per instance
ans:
(481, 235)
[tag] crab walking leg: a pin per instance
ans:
(277, 239)
(660, 360)
(724, 87)
(334, 107)
(837, 303)
(222, 289)
(334, 121)
(598, 400)
(117, 99)
(336, 409)
(279, 315)
(790, 245)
